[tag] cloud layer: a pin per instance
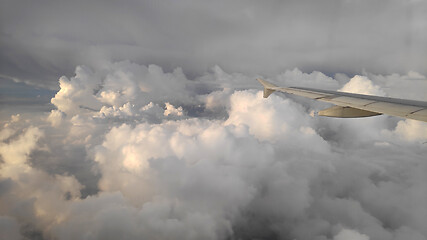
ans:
(132, 152)
(41, 42)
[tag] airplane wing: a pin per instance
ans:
(352, 105)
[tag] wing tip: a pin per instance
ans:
(267, 87)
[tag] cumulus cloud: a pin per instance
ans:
(410, 130)
(119, 85)
(55, 118)
(172, 111)
(133, 151)
(362, 85)
(33, 197)
(347, 234)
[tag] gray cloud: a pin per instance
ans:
(41, 42)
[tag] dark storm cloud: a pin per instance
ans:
(40, 41)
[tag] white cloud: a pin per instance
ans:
(77, 92)
(348, 234)
(362, 85)
(315, 79)
(173, 158)
(266, 118)
(172, 111)
(15, 118)
(55, 118)
(411, 130)
(16, 152)
(35, 198)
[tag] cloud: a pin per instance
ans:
(410, 130)
(172, 111)
(40, 43)
(394, 83)
(362, 85)
(133, 151)
(350, 235)
(118, 85)
(9, 228)
(34, 198)
(55, 118)
(314, 79)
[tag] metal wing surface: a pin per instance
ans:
(355, 105)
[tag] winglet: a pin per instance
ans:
(268, 87)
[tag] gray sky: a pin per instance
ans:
(43, 40)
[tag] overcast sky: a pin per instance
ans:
(43, 40)
(143, 120)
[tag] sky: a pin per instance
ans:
(143, 119)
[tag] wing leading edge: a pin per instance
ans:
(351, 105)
